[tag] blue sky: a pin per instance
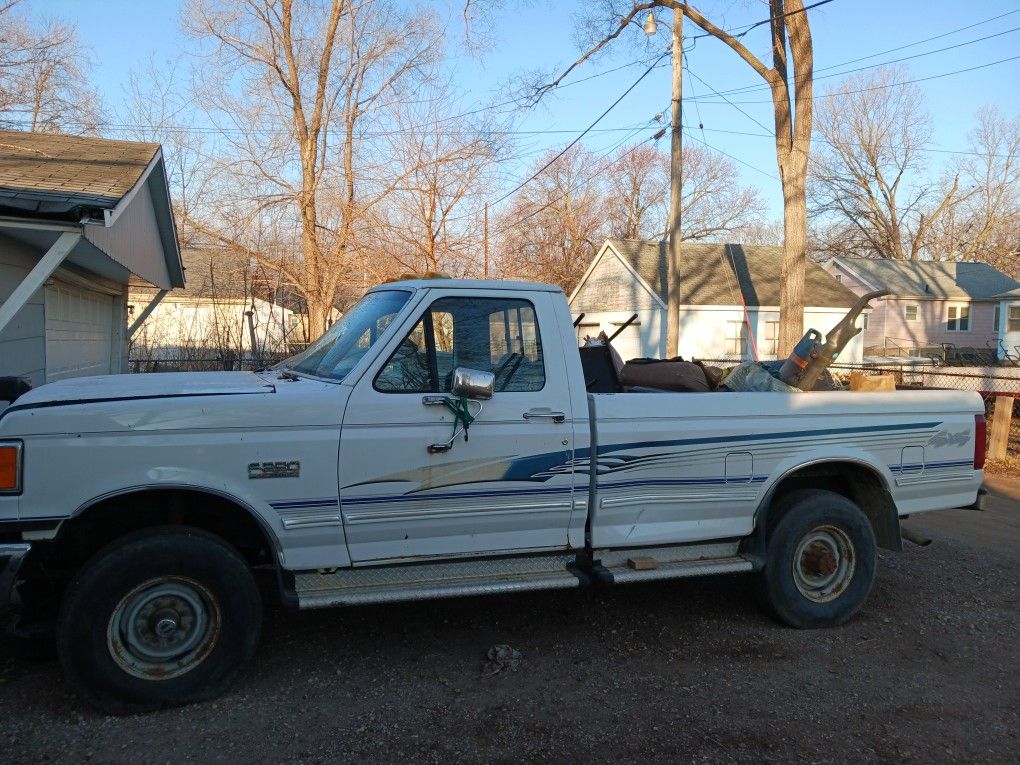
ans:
(123, 35)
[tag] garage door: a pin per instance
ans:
(79, 332)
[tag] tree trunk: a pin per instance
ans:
(791, 287)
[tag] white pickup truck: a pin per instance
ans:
(438, 441)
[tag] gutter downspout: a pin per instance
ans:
(37, 277)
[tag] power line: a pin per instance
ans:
(735, 159)
(366, 134)
(757, 24)
(724, 98)
(756, 86)
(819, 139)
(646, 72)
(583, 133)
(919, 42)
(576, 187)
(815, 78)
(881, 87)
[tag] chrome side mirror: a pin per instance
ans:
(472, 383)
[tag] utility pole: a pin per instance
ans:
(485, 242)
(675, 187)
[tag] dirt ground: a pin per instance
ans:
(689, 671)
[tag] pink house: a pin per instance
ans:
(958, 305)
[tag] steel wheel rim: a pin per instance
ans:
(164, 628)
(824, 564)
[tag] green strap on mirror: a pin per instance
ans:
(461, 413)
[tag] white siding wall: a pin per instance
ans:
(191, 323)
(648, 340)
(704, 330)
(707, 332)
(23, 341)
(611, 284)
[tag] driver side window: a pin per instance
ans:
(490, 334)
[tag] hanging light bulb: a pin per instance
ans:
(650, 27)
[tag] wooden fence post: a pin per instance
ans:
(998, 442)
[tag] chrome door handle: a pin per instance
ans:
(554, 416)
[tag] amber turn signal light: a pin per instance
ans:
(10, 467)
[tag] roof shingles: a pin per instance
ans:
(934, 280)
(90, 171)
(710, 274)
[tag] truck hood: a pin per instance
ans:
(81, 390)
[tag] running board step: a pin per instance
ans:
(680, 569)
(428, 581)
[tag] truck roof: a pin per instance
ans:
(469, 284)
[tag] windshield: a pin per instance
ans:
(335, 353)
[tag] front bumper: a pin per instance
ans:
(12, 556)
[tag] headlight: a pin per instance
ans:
(10, 467)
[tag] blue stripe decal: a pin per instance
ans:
(296, 503)
(419, 496)
(682, 482)
(765, 436)
(930, 465)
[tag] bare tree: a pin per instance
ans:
(555, 224)
(985, 224)
(638, 189)
(297, 90)
(44, 77)
(869, 173)
(792, 113)
(713, 203)
(159, 109)
(432, 220)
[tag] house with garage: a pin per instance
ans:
(959, 310)
(79, 217)
(232, 311)
(729, 296)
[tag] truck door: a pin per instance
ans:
(508, 485)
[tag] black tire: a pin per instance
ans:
(161, 617)
(819, 561)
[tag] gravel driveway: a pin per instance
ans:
(689, 671)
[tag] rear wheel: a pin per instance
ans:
(820, 560)
(160, 618)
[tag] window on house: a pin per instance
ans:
(910, 313)
(995, 320)
(865, 320)
(771, 344)
(959, 318)
(1013, 320)
(736, 338)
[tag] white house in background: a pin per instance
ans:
(228, 311)
(729, 295)
(78, 218)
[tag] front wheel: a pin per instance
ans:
(820, 560)
(160, 618)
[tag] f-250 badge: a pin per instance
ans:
(290, 469)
